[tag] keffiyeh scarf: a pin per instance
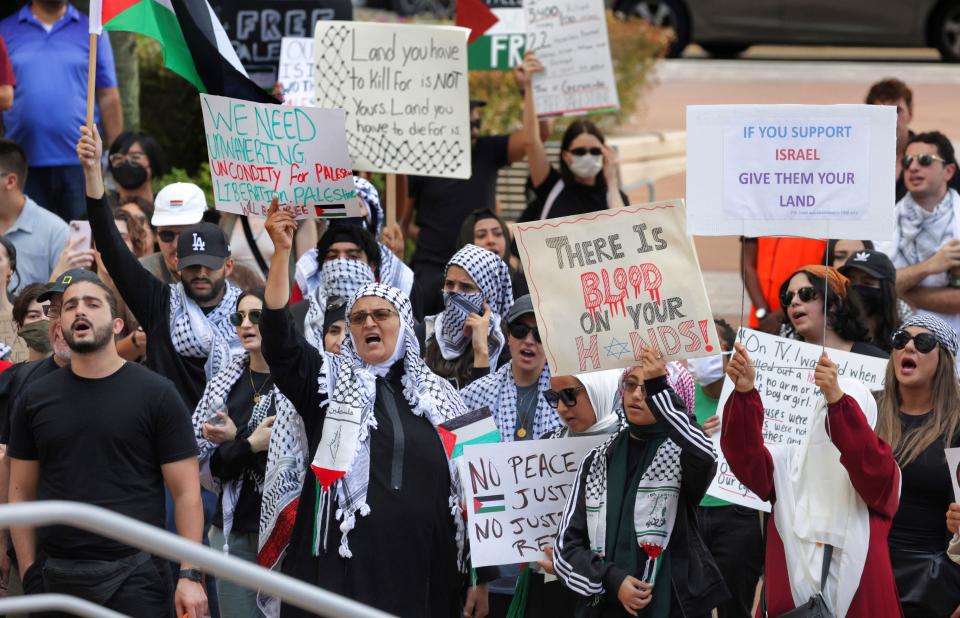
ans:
(196, 334)
(214, 395)
(342, 460)
(920, 233)
(340, 277)
(498, 391)
(490, 273)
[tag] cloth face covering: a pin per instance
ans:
(196, 334)
(37, 336)
(586, 166)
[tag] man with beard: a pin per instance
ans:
(189, 334)
(111, 433)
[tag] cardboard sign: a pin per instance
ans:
(260, 151)
(515, 493)
(404, 88)
(606, 284)
(501, 47)
(570, 38)
(821, 171)
(785, 383)
(953, 464)
(296, 70)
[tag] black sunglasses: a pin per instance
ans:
(925, 160)
(167, 235)
(806, 295)
(520, 331)
(582, 151)
(923, 342)
(567, 395)
(236, 318)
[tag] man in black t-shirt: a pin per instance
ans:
(109, 433)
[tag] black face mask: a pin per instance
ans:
(872, 298)
(129, 175)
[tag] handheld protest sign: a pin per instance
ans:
(785, 382)
(295, 72)
(259, 151)
(404, 88)
(953, 464)
(606, 284)
(503, 33)
(570, 39)
(818, 171)
(515, 493)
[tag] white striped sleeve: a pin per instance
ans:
(689, 437)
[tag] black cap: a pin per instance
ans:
(203, 244)
(522, 306)
(66, 278)
(874, 263)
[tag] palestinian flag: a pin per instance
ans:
(489, 504)
(331, 211)
(476, 427)
(195, 45)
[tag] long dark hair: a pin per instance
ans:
(576, 129)
(832, 248)
(887, 317)
(844, 315)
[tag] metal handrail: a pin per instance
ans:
(55, 602)
(172, 547)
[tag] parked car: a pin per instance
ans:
(725, 28)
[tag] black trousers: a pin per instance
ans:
(735, 539)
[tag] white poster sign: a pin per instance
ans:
(570, 38)
(785, 383)
(515, 493)
(296, 70)
(606, 284)
(819, 171)
(404, 88)
(261, 151)
(953, 464)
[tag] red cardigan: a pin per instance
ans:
(873, 472)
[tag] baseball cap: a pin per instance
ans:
(66, 278)
(203, 244)
(180, 203)
(874, 263)
(521, 307)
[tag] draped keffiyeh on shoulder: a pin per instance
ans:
(196, 334)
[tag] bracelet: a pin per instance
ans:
(193, 575)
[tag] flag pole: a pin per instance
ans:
(391, 199)
(91, 80)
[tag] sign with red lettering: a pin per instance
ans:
(820, 171)
(515, 493)
(259, 152)
(607, 284)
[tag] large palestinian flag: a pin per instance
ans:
(195, 45)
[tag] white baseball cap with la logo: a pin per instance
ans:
(180, 203)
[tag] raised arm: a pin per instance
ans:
(536, 154)
(517, 144)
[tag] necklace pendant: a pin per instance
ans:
(521, 433)
(256, 398)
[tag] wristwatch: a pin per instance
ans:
(192, 574)
(760, 313)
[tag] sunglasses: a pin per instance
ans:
(379, 315)
(236, 318)
(167, 236)
(925, 160)
(806, 295)
(582, 151)
(567, 395)
(923, 342)
(520, 331)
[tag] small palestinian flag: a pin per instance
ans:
(476, 427)
(489, 504)
(331, 211)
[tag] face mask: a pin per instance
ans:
(457, 308)
(36, 335)
(872, 298)
(129, 175)
(706, 370)
(342, 277)
(586, 166)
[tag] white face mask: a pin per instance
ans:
(586, 166)
(706, 370)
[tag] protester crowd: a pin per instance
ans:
(274, 388)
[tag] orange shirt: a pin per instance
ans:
(777, 259)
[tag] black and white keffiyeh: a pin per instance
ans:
(945, 335)
(342, 459)
(370, 195)
(491, 275)
(214, 395)
(339, 277)
(498, 391)
(196, 334)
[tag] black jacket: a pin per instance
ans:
(697, 585)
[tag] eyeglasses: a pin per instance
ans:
(379, 315)
(567, 395)
(806, 295)
(923, 342)
(925, 160)
(167, 236)
(520, 331)
(253, 315)
(134, 157)
(630, 386)
(582, 151)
